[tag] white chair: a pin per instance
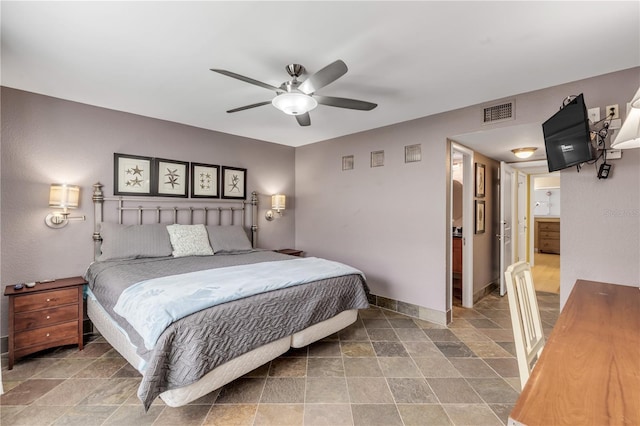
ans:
(525, 318)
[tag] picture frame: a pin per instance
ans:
(234, 183)
(480, 217)
(205, 180)
(132, 175)
(480, 180)
(171, 178)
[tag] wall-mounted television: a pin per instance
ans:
(566, 136)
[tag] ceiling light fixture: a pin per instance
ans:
(524, 152)
(629, 134)
(294, 103)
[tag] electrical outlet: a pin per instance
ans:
(614, 109)
(594, 115)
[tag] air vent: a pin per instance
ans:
(377, 158)
(501, 112)
(347, 162)
(412, 153)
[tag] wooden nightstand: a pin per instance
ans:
(45, 316)
(290, 252)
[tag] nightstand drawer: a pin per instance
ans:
(47, 334)
(549, 226)
(45, 317)
(550, 235)
(46, 299)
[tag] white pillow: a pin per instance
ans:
(189, 240)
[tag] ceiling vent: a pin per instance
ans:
(501, 112)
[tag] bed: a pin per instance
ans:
(146, 274)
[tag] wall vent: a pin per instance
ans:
(347, 162)
(501, 112)
(377, 158)
(412, 153)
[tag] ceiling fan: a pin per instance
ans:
(297, 98)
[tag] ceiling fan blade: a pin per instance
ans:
(242, 108)
(247, 79)
(304, 119)
(345, 103)
(325, 76)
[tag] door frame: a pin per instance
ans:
(503, 225)
(467, 225)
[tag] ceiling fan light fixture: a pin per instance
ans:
(524, 152)
(294, 103)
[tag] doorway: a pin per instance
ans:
(461, 227)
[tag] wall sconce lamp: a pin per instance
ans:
(65, 197)
(629, 134)
(524, 152)
(278, 202)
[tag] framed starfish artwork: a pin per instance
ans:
(234, 183)
(205, 181)
(132, 175)
(172, 178)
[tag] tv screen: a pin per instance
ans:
(566, 136)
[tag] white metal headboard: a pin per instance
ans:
(234, 211)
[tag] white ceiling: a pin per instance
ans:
(412, 58)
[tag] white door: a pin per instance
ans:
(507, 201)
(522, 216)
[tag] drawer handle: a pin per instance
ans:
(48, 317)
(48, 300)
(48, 334)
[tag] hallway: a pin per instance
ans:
(546, 273)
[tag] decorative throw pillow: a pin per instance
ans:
(189, 240)
(228, 239)
(121, 242)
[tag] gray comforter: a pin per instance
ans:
(191, 347)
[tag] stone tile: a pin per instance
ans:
(362, 367)
(488, 350)
(241, 391)
(423, 414)
(288, 367)
(393, 314)
(354, 334)
(494, 391)
(34, 416)
(459, 323)
(28, 391)
(127, 370)
(64, 368)
(101, 368)
(280, 414)
(455, 349)
(70, 392)
(473, 367)
(376, 323)
(133, 415)
(236, 415)
(504, 323)
(112, 392)
(92, 350)
(26, 368)
(325, 348)
(376, 415)
(85, 415)
(382, 335)
(288, 390)
(441, 335)
(262, 371)
(387, 303)
(502, 411)
(327, 415)
(428, 325)
(357, 349)
(483, 323)
(497, 334)
(385, 349)
(371, 313)
(411, 391)
(454, 391)
(505, 367)
(470, 334)
(408, 309)
(436, 367)
(296, 353)
(369, 391)
(402, 323)
(326, 390)
(472, 414)
(510, 347)
(326, 367)
(399, 367)
(466, 313)
(411, 334)
(207, 399)
(422, 349)
(186, 415)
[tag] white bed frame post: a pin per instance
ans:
(98, 201)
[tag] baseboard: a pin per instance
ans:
(409, 309)
(484, 291)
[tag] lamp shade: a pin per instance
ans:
(629, 134)
(635, 101)
(64, 196)
(278, 202)
(294, 103)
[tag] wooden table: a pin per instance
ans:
(589, 370)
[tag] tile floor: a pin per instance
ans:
(386, 369)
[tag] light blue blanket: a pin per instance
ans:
(150, 306)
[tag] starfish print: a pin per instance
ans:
(235, 181)
(172, 177)
(137, 171)
(135, 182)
